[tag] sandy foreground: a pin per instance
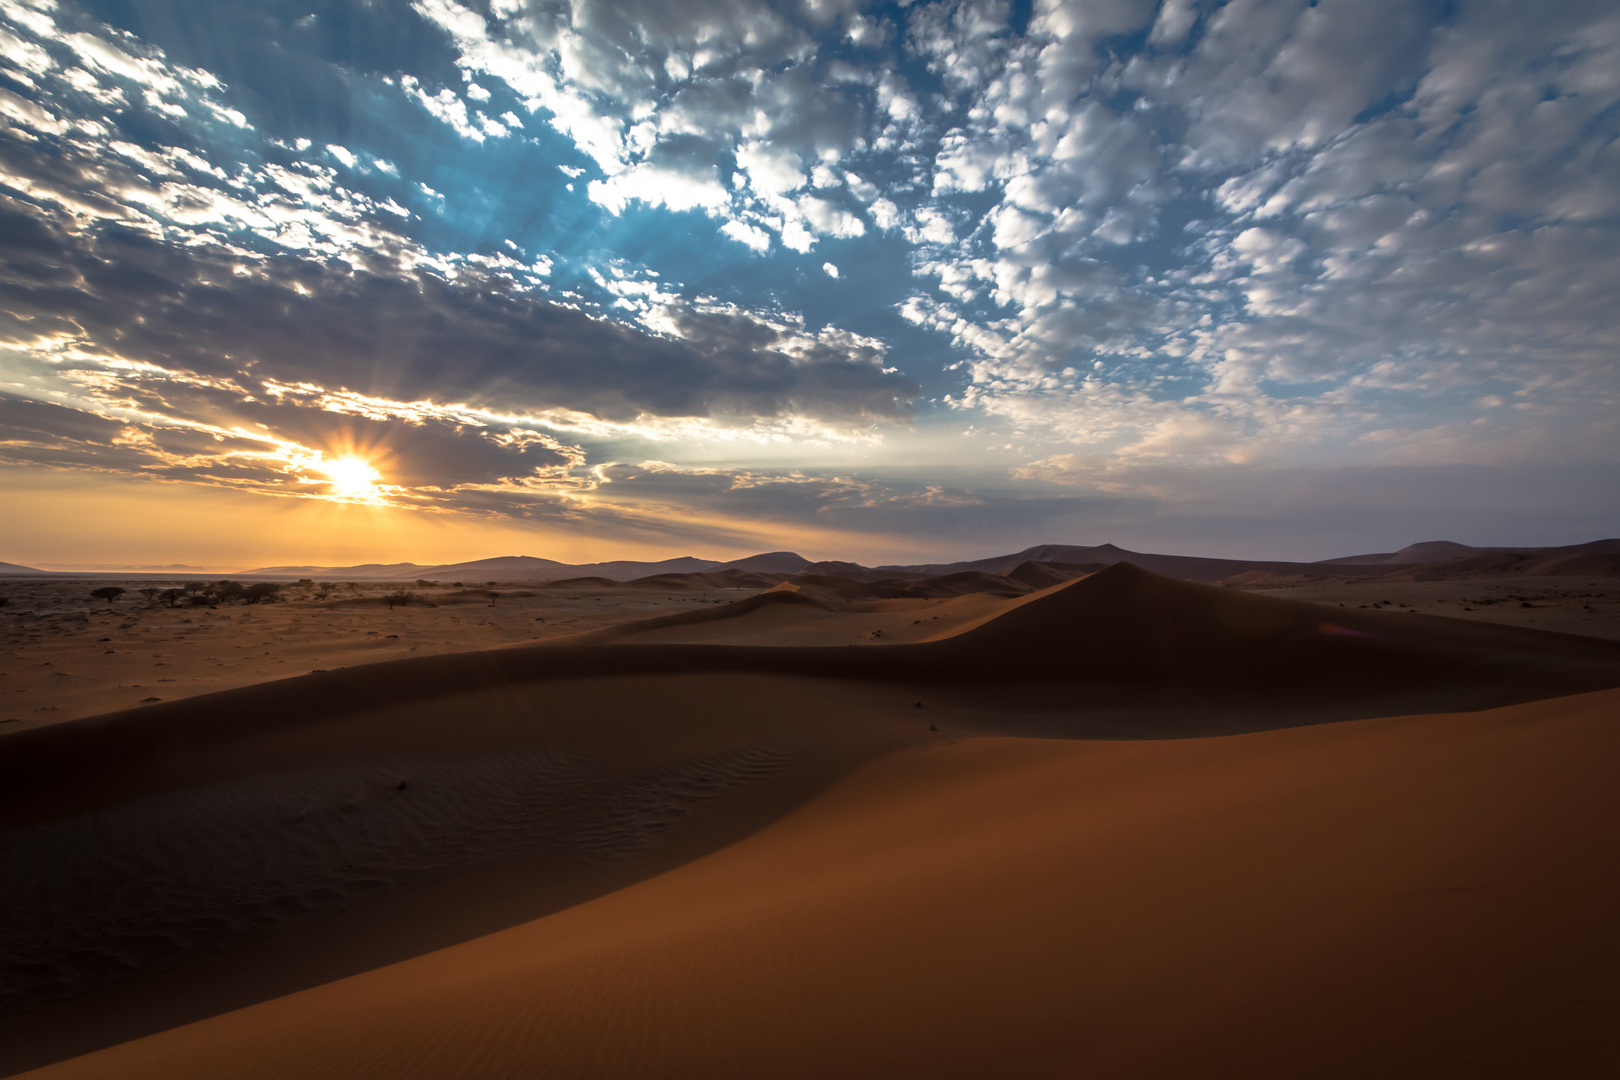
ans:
(1123, 827)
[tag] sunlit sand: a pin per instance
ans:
(1119, 825)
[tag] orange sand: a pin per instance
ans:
(809, 862)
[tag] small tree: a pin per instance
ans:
(108, 593)
(401, 596)
(151, 594)
(170, 596)
(262, 592)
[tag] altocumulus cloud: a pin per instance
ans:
(1275, 225)
(230, 326)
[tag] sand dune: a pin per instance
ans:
(278, 851)
(63, 658)
(1407, 897)
(817, 612)
(1120, 627)
(725, 843)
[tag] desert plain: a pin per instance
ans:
(1095, 822)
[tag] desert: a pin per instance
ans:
(777, 539)
(951, 823)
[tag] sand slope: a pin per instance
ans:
(654, 852)
(1412, 897)
(191, 875)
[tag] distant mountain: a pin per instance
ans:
(1185, 567)
(624, 570)
(524, 567)
(384, 571)
(115, 568)
(772, 562)
(1428, 551)
(8, 569)
(1434, 551)
(501, 568)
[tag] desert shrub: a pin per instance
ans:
(226, 591)
(108, 593)
(262, 592)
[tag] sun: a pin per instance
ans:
(351, 477)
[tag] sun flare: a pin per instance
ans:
(351, 477)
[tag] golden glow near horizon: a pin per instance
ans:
(61, 518)
(352, 477)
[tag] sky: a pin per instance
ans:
(373, 280)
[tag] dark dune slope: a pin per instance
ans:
(1125, 624)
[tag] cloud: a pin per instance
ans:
(830, 219)
(447, 106)
(670, 100)
(772, 170)
(230, 325)
(677, 174)
(751, 235)
(1391, 230)
(837, 504)
(1163, 235)
(111, 294)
